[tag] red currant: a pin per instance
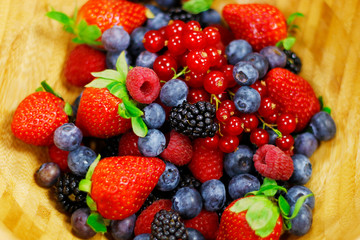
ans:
(198, 61)
(286, 123)
(250, 122)
(193, 26)
(267, 107)
(221, 62)
(212, 36)
(175, 27)
(260, 86)
(272, 118)
(163, 67)
(259, 137)
(223, 115)
(214, 82)
(213, 54)
(162, 31)
(176, 45)
(229, 105)
(153, 41)
(194, 40)
(285, 142)
(195, 80)
(228, 143)
(234, 126)
(197, 94)
(227, 70)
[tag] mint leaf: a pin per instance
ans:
(133, 110)
(122, 111)
(91, 203)
(60, 17)
(92, 168)
(292, 17)
(108, 74)
(96, 222)
(99, 83)
(85, 185)
(122, 66)
(197, 6)
(68, 109)
(284, 206)
(289, 42)
(139, 127)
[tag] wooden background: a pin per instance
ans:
(33, 48)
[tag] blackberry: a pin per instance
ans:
(111, 147)
(194, 120)
(68, 194)
(187, 179)
(177, 13)
(293, 62)
(168, 225)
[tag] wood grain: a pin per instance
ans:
(34, 48)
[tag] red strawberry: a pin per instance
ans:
(144, 220)
(107, 13)
(128, 144)
(37, 117)
(270, 161)
(120, 185)
(179, 150)
(59, 157)
(207, 223)
(206, 164)
(260, 24)
(235, 226)
(82, 61)
(293, 94)
(98, 116)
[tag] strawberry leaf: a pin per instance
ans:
(298, 205)
(292, 17)
(269, 182)
(68, 109)
(118, 90)
(39, 89)
(60, 17)
(131, 107)
(123, 112)
(92, 168)
(289, 42)
(139, 127)
(327, 109)
(242, 204)
(197, 6)
(96, 222)
(321, 101)
(122, 66)
(108, 74)
(99, 83)
(284, 206)
(268, 189)
(49, 89)
(91, 203)
(85, 185)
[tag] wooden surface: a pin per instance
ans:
(33, 48)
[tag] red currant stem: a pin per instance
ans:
(220, 131)
(231, 94)
(271, 126)
(176, 75)
(162, 81)
(217, 100)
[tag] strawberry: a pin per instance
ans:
(120, 185)
(260, 24)
(206, 164)
(98, 116)
(207, 223)
(293, 94)
(37, 117)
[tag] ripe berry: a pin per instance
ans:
(272, 118)
(163, 67)
(176, 45)
(175, 28)
(228, 104)
(267, 107)
(195, 80)
(198, 61)
(234, 126)
(197, 95)
(227, 70)
(194, 40)
(153, 41)
(286, 123)
(212, 36)
(214, 82)
(193, 26)
(259, 137)
(250, 122)
(228, 143)
(285, 142)
(260, 86)
(210, 142)
(214, 55)
(223, 115)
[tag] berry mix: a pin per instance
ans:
(185, 128)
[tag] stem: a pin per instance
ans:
(217, 100)
(176, 75)
(271, 126)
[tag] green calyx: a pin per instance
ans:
(290, 40)
(84, 33)
(323, 107)
(197, 6)
(115, 82)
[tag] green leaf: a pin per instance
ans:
(298, 205)
(90, 35)
(139, 127)
(327, 109)
(268, 189)
(197, 6)
(269, 182)
(49, 89)
(85, 185)
(96, 222)
(289, 42)
(131, 107)
(78, 40)
(280, 43)
(321, 101)
(92, 168)
(91, 203)
(284, 206)
(68, 109)
(108, 74)
(287, 224)
(119, 90)
(292, 17)
(39, 89)
(243, 204)
(99, 83)
(60, 17)
(122, 66)
(122, 111)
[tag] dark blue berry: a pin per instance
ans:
(78, 223)
(245, 74)
(323, 126)
(272, 136)
(80, 160)
(136, 40)
(187, 202)
(239, 161)
(301, 224)
(160, 20)
(68, 137)
(115, 39)
(144, 236)
(154, 115)
(152, 144)
(146, 59)
(237, 50)
(155, 10)
(174, 93)
(242, 184)
(305, 144)
(194, 234)
(47, 174)
(275, 56)
(214, 195)
(302, 170)
(169, 179)
(209, 17)
(123, 229)
(247, 100)
(295, 192)
(166, 3)
(112, 57)
(259, 61)
(75, 105)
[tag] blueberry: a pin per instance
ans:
(323, 126)
(155, 10)
(187, 202)
(214, 195)
(154, 115)
(295, 192)
(210, 16)
(272, 136)
(144, 236)
(112, 57)
(301, 224)
(166, 3)
(245, 74)
(237, 50)
(47, 174)
(242, 184)
(115, 39)
(174, 93)
(259, 61)
(136, 38)
(152, 144)
(306, 144)
(68, 137)
(123, 229)
(194, 234)
(169, 179)
(75, 105)
(247, 100)
(302, 170)
(160, 20)
(146, 59)
(80, 160)
(78, 223)
(239, 161)
(275, 56)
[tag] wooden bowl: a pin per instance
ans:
(34, 48)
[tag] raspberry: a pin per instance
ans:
(59, 157)
(143, 84)
(206, 164)
(143, 222)
(82, 61)
(272, 162)
(128, 144)
(207, 223)
(179, 150)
